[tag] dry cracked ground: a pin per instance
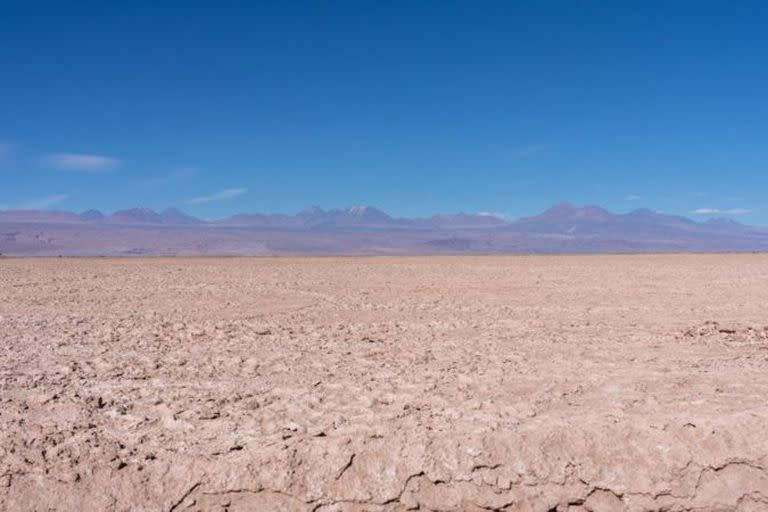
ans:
(541, 383)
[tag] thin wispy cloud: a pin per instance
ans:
(502, 216)
(632, 197)
(228, 193)
(718, 211)
(82, 162)
(43, 203)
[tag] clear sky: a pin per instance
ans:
(415, 107)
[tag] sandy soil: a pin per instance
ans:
(507, 383)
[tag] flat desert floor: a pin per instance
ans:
(547, 383)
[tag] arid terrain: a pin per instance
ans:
(541, 383)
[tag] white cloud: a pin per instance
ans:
(632, 197)
(228, 193)
(43, 202)
(82, 163)
(501, 216)
(718, 211)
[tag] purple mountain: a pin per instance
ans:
(593, 221)
(135, 216)
(564, 218)
(37, 216)
(364, 229)
(463, 220)
(355, 216)
(176, 217)
(91, 216)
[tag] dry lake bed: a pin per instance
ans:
(541, 383)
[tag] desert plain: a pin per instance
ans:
(530, 383)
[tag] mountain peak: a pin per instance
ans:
(358, 210)
(593, 212)
(468, 220)
(563, 207)
(176, 216)
(91, 215)
(724, 223)
(140, 215)
(366, 211)
(563, 227)
(311, 211)
(566, 210)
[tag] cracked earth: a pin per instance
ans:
(528, 383)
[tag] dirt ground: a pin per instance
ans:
(542, 383)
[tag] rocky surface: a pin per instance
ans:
(600, 383)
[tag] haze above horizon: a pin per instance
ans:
(416, 108)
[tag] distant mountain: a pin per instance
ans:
(309, 213)
(135, 216)
(641, 224)
(566, 210)
(257, 220)
(365, 229)
(727, 225)
(91, 216)
(646, 216)
(170, 217)
(314, 217)
(564, 218)
(463, 220)
(40, 216)
(355, 216)
(244, 219)
(176, 217)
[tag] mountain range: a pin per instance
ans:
(366, 230)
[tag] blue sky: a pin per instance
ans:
(414, 107)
